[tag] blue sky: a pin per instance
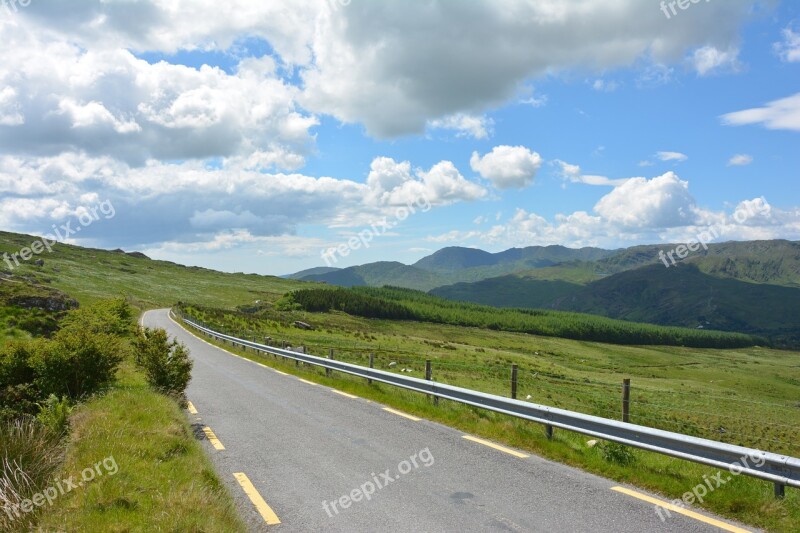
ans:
(251, 137)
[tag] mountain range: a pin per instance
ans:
(750, 287)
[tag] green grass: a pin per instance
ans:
(745, 499)
(164, 481)
(90, 275)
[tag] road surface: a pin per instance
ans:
(317, 460)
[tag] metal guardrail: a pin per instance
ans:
(782, 470)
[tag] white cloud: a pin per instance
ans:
(107, 102)
(709, 59)
(740, 160)
(507, 167)
(661, 202)
(392, 183)
(789, 48)
(671, 156)
(783, 114)
(377, 64)
(573, 173)
(477, 127)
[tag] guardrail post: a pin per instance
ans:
(330, 356)
(513, 382)
(780, 490)
(371, 365)
(626, 399)
(429, 377)
(548, 430)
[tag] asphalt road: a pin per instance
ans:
(303, 446)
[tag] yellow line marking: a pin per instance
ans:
(213, 439)
(190, 408)
(263, 509)
(306, 381)
(344, 394)
(281, 373)
(496, 447)
(400, 413)
(680, 510)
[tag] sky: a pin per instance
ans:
(276, 136)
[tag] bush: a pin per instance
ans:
(18, 394)
(77, 363)
(616, 453)
(166, 363)
(112, 317)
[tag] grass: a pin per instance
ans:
(89, 275)
(745, 499)
(746, 396)
(163, 480)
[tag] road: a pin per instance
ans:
(303, 446)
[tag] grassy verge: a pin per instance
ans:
(161, 479)
(744, 499)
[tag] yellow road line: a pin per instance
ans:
(190, 408)
(496, 447)
(263, 509)
(306, 381)
(680, 510)
(213, 439)
(400, 413)
(344, 394)
(281, 373)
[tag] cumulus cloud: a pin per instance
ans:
(392, 183)
(507, 167)
(783, 114)
(573, 174)
(789, 48)
(111, 103)
(382, 64)
(740, 160)
(663, 201)
(709, 59)
(477, 127)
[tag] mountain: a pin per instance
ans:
(379, 274)
(453, 259)
(452, 265)
(509, 291)
(685, 296)
(316, 271)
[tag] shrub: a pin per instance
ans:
(18, 394)
(112, 317)
(76, 363)
(166, 363)
(616, 453)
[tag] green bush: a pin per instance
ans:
(618, 454)
(112, 317)
(18, 394)
(166, 363)
(76, 363)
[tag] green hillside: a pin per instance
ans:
(89, 275)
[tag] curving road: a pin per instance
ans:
(318, 460)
